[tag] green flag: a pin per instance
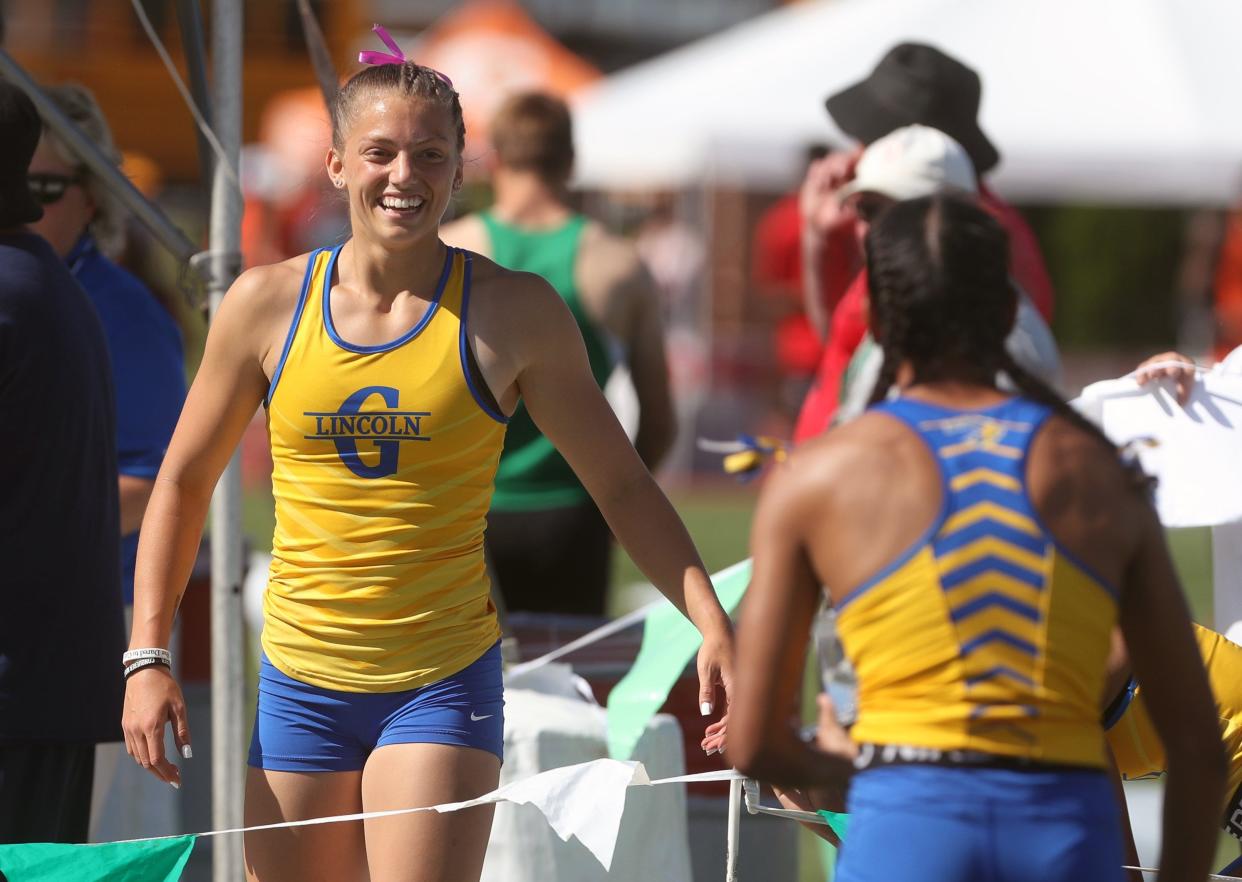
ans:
(837, 822)
(147, 860)
(669, 642)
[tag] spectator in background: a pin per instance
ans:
(912, 84)
(84, 224)
(777, 254)
(548, 545)
(61, 629)
(912, 162)
(1228, 288)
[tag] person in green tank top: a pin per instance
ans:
(548, 545)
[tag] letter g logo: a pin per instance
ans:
(347, 447)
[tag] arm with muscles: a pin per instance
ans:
(1116, 679)
(228, 388)
(1166, 660)
(555, 382)
(831, 738)
(1130, 848)
(821, 213)
(776, 621)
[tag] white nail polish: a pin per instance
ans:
(710, 751)
(175, 785)
(186, 752)
(705, 708)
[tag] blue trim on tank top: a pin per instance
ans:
(1122, 706)
(293, 326)
(409, 335)
(923, 541)
(464, 341)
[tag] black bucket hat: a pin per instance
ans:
(916, 84)
(20, 128)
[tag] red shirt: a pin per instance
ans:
(849, 319)
(776, 268)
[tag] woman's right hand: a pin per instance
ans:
(819, 201)
(153, 698)
(1175, 366)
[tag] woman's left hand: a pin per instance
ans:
(715, 665)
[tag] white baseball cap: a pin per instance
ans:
(912, 162)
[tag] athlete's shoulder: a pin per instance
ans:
(868, 445)
(261, 302)
(1080, 454)
(262, 286)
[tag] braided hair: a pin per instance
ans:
(410, 79)
(942, 301)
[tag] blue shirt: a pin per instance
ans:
(148, 372)
(61, 626)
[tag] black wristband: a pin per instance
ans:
(145, 663)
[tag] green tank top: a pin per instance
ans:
(532, 475)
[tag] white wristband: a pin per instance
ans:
(134, 655)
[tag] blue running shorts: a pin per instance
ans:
(304, 728)
(913, 823)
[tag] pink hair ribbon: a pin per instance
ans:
(396, 57)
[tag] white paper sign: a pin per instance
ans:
(1195, 451)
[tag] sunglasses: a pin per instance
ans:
(48, 188)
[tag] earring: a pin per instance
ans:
(338, 183)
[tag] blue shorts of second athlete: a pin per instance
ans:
(920, 822)
(304, 728)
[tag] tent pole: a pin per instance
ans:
(227, 628)
(190, 19)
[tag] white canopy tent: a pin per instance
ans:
(1103, 101)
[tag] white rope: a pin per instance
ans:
(199, 119)
(696, 778)
(610, 628)
(595, 636)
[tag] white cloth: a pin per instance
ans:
(544, 732)
(1194, 452)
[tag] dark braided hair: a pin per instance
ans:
(410, 79)
(942, 300)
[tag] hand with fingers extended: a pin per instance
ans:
(1172, 365)
(830, 737)
(715, 666)
(152, 699)
(819, 197)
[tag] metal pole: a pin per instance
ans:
(227, 629)
(321, 58)
(735, 828)
(190, 17)
(150, 214)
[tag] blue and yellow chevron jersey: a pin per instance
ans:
(986, 635)
(383, 462)
(1132, 737)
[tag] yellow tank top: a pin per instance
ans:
(383, 460)
(1137, 748)
(986, 635)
